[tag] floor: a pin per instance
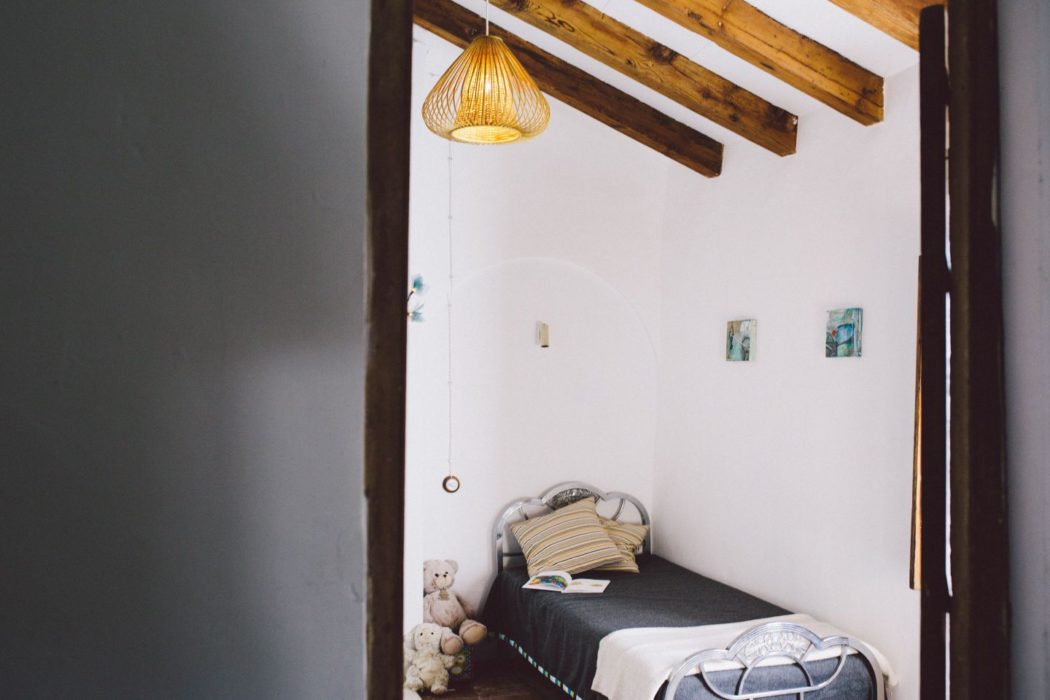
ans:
(509, 679)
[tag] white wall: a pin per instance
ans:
(790, 476)
(183, 227)
(564, 229)
(637, 263)
(1025, 200)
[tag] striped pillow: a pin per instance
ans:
(570, 539)
(628, 537)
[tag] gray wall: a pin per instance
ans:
(1025, 185)
(182, 294)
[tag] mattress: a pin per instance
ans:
(559, 633)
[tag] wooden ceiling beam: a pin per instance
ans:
(747, 32)
(660, 68)
(898, 18)
(580, 90)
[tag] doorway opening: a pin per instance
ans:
(978, 619)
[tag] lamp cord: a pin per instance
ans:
(449, 306)
(486, 17)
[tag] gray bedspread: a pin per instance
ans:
(560, 633)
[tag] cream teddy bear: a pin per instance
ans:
(444, 607)
(425, 665)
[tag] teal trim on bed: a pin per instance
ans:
(546, 674)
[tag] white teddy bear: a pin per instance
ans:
(425, 665)
(445, 607)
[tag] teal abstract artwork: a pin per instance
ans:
(740, 340)
(844, 332)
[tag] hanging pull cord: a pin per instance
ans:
(450, 483)
(449, 305)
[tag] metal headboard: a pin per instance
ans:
(562, 495)
(785, 640)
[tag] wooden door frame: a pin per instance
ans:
(979, 627)
(932, 406)
(389, 115)
(978, 607)
(980, 566)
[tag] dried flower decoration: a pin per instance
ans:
(415, 308)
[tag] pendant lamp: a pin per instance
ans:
(486, 96)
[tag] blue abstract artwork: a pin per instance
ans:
(844, 332)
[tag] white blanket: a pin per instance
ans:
(634, 663)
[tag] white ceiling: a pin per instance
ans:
(818, 19)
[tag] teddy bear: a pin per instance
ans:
(444, 607)
(425, 666)
(409, 648)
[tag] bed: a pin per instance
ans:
(560, 635)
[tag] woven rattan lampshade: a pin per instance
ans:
(486, 96)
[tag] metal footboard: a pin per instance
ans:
(775, 640)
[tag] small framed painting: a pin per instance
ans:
(740, 340)
(844, 332)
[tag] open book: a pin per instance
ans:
(562, 582)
